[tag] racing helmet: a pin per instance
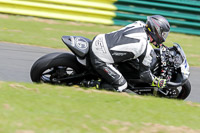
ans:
(158, 27)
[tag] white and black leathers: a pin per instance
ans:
(130, 42)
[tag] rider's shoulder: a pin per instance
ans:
(137, 24)
(140, 23)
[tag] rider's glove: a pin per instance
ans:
(160, 83)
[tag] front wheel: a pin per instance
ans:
(181, 92)
(185, 90)
(53, 67)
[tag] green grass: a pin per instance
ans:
(41, 108)
(48, 33)
(45, 32)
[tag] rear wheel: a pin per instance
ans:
(53, 68)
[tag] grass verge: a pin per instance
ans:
(39, 108)
(48, 33)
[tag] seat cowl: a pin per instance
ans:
(77, 44)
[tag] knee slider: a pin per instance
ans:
(120, 84)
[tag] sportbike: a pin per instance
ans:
(75, 69)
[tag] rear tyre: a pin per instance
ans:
(52, 67)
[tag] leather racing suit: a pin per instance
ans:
(127, 43)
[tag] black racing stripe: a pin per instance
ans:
(119, 38)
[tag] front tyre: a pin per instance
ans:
(181, 92)
(55, 66)
(185, 90)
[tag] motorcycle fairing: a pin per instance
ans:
(185, 69)
(77, 44)
(184, 65)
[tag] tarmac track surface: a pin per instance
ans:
(16, 61)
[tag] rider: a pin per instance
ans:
(130, 42)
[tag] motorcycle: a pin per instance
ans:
(75, 69)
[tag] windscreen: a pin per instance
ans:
(180, 50)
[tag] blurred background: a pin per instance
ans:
(183, 15)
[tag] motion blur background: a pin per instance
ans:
(183, 15)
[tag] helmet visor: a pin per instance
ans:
(164, 35)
